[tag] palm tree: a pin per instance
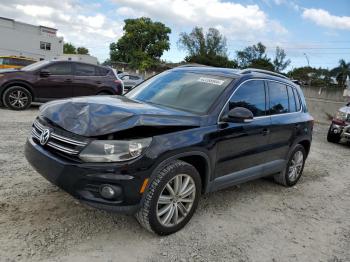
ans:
(342, 72)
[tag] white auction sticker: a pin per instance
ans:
(212, 81)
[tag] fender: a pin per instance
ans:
(17, 82)
(166, 160)
(297, 141)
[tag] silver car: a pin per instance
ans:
(130, 81)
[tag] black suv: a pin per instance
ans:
(182, 133)
(49, 80)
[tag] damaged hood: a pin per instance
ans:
(101, 115)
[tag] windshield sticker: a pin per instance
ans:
(212, 81)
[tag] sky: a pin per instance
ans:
(309, 30)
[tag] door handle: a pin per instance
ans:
(98, 82)
(265, 131)
(68, 80)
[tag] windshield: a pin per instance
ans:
(186, 91)
(35, 66)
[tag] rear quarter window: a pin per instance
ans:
(297, 100)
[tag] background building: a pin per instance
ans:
(36, 42)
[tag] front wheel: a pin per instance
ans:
(17, 98)
(171, 199)
(294, 169)
(331, 137)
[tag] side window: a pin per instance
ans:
(60, 69)
(250, 95)
(84, 70)
(297, 99)
(101, 71)
(278, 98)
(292, 102)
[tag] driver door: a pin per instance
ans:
(242, 146)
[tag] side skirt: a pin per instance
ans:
(248, 174)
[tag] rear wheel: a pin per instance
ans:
(171, 199)
(294, 169)
(17, 98)
(331, 137)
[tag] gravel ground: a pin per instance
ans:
(256, 221)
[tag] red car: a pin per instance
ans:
(49, 80)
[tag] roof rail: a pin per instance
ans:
(252, 70)
(192, 65)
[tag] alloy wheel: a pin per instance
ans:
(176, 200)
(295, 166)
(18, 99)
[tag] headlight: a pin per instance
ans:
(114, 150)
(341, 116)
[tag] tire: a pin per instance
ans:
(331, 137)
(285, 177)
(17, 98)
(150, 213)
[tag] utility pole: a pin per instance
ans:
(307, 59)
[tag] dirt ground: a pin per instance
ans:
(256, 221)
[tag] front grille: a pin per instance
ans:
(57, 142)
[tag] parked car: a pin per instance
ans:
(130, 81)
(340, 126)
(48, 80)
(179, 134)
(13, 62)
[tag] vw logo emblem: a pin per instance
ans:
(44, 137)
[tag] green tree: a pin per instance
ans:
(280, 63)
(207, 49)
(262, 63)
(82, 50)
(342, 72)
(253, 55)
(319, 77)
(142, 43)
(69, 48)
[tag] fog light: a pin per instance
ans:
(107, 191)
(335, 131)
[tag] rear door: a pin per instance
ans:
(285, 118)
(56, 84)
(86, 80)
(244, 145)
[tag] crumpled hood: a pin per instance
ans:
(101, 115)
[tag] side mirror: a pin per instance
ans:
(44, 73)
(348, 104)
(239, 115)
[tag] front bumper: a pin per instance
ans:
(83, 180)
